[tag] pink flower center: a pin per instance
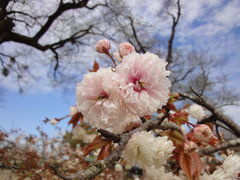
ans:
(102, 96)
(138, 85)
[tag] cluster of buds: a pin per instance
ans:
(125, 48)
(202, 134)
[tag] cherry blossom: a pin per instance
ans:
(202, 132)
(144, 82)
(125, 48)
(102, 46)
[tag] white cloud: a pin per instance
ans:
(204, 25)
(233, 112)
(228, 16)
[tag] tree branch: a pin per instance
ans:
(99, 166)
(142, 48)
(61, 9)
(216, 113)
(109, 135)
(173, 30)
(222, 146)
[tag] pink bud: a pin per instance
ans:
(189, 146)
(102, 46)
(125, 48)
(202, 133)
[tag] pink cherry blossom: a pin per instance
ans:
(98, 97)
(144, 82)
(125, 48)
(100, 101)
(202, 133)
(102, 46)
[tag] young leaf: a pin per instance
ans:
(98, 142)
(105, 151)
(78, 117)
(180, 117)
(95, 67)
(198, 163)
(191, 164)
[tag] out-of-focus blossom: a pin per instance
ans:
(145, 150)
(144, 82)
(80, 133)
(128, 167)
(118, 167)
(125, 48)
(196, 111)
(229, 170)
(202, 132)
(159, 174)
(53, 121)
(102, 46)
(73, 110)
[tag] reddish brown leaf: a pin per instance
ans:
(186, 164)
(180, 117)
(95, 67)
(98, 142)
(105, 151)
(198, 163)
(78, 117)
(191, 164)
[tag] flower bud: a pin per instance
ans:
(125, 48)
(53, 121)
(102, 46)
(202, 133)
(73, 110)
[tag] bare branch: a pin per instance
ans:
(109, 135)
(184, 76)
(61, 8)
(175, 21)
(96, 5)
(222, 146)
(142, 48)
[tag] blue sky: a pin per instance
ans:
(26, 111)
(212, 25)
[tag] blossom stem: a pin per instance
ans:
(109, 55)
(190, 123)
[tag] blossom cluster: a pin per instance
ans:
(229, 170)
(114, 98)
(145, 150)
(196, 111)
